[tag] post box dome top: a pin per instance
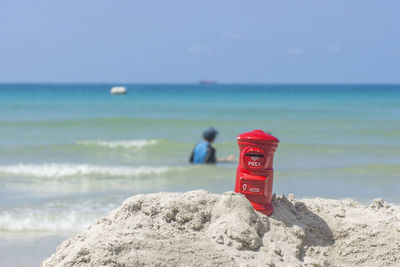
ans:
(257, 135)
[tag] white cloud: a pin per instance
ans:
(333, 48)
(296, 50)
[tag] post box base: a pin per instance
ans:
(266, 209)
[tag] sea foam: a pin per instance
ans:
(66, 221)
(120, 144)
(67, 215)
(56, 170)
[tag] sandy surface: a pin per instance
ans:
(198, 228)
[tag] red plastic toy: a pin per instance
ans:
(254, 176)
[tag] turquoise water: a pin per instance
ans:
(72, 153)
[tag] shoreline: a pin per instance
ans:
(22, 250)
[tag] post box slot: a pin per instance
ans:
(254, 158)
(254, 155)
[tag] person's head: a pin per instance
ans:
(210, 134)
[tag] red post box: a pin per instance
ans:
(254, 176)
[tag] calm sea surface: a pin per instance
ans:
(72, 153)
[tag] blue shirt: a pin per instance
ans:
(203, 153)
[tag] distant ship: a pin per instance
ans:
(207, 82)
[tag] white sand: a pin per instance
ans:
(202, 229)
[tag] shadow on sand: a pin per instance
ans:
(291, 212)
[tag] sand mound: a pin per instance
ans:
(203, 229)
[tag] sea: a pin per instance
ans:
(71, 153)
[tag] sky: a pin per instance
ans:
(170, 41)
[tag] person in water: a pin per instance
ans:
(203, 152)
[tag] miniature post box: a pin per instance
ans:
(254, 176)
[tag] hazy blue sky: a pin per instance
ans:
(344, 41)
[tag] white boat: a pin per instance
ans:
(118, 90)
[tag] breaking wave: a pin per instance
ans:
(120, 144)
(68, 221)
(54, 217)
(56, 170)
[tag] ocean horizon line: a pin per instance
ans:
(208, 85)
